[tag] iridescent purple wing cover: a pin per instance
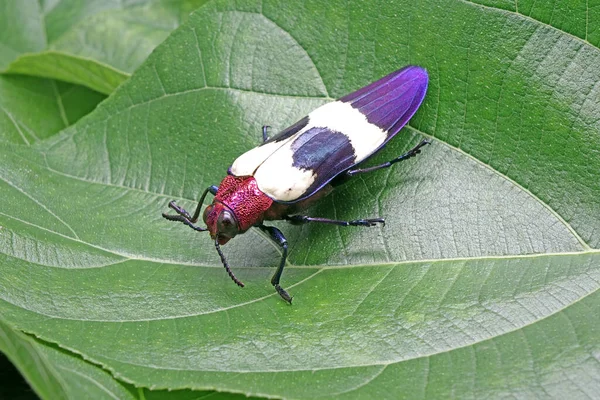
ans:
(391, 101)
(335, 137)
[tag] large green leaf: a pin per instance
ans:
(577, 17)
(483, 283)
(33, 108)
(55, 374)
(95, 43)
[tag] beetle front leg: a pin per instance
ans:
(276, 235)
(303, 219)
(184, 217)
(411, 153)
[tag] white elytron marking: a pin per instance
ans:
(272, 164)
(247, 163)
(364, 136)
(279, 179)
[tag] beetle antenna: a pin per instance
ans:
(224, 261)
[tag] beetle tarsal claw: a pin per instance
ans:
(367, 222)
(284, 294)
(179, 210)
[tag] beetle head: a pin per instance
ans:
(221, 222)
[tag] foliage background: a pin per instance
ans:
(484, 282)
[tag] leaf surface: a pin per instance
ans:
(33, 109)
(55, 375)
(483, 283)
(94, 43)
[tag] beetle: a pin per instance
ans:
(291, 170)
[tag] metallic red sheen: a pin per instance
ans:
(241, 196)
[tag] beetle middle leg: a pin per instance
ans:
(411, 153)
(303, 219)
(184, 217)
(276, 235)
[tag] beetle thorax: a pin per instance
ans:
(242, 197)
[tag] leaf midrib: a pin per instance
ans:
(545, 205)
(358, 365)
(584, 245)
(319, 270)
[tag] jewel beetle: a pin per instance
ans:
(291, 170)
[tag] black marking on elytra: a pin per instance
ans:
(325, 152)
(289, 131)
(322, 150)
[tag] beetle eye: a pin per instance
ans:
(227, 224)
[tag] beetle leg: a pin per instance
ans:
(278, 238)
(185, 217)
(303, 219)
(411, 153)
(264, 131)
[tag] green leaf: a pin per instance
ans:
(95, 43)
(575, 17)
(56, 375)
(483, 283)
(33, 109)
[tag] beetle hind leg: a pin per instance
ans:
(411, 153)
